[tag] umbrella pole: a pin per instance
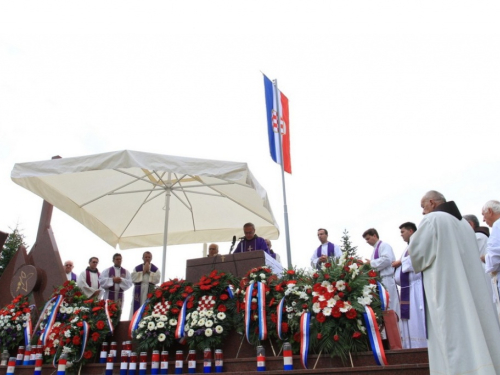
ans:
(165, 233)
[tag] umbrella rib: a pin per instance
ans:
(143, 178)
(138, 209)
(190, 208)
(111, 192)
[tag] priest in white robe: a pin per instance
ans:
(463, 332)
(381, 260)
(412, 323)
(115, 280)
(145, 276)
(88, 280)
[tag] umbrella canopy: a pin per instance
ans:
(137, 199)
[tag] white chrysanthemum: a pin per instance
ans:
(67, 333)
(327, 311)
(55, 343)
(210, 313)
(208, 332)
(160, 324)
(221, 316)
(139, 336)
(340, 285)
(219, 329)
(18, 327)
(304, 296)
(66, 350)
(263, 281)
(69, 310)
(188, 316)
(331, 302)
(190, 333)
(289, 309)
(316, 307)
(195, 314)
(294, 303)
(161, 337)
(142, 324)
(202, 313)
(346, 308)
(62, 310)
(172, 322)
(151, 326)
(290, 316)
(201, 322)
(262, 276)
(209, 323)
(163, 318)
(156, 316)
(325, 284)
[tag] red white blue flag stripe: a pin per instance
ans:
(374, 337)
(108, 317)
(279, 313)
(273, 129)
(261, 297)
(248, 310)
(85, 337)
(136, 319)
(52, 318)
(384, 296)
(181, 320)
(304, 337)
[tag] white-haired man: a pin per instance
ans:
(491, 216)
(463, 333)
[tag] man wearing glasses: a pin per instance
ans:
(88, 280)
(68, 268)
(252, 242)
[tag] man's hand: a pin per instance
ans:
(322, 259)
(117, 279)
(146, 268)
(396, 263)
(367, 261)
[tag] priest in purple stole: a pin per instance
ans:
(68, 268)
(412, 323)
(145, 276)
(251, 241)
(325, 250)
(88, 280)
(115, 280)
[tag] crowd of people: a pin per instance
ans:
(448, 295)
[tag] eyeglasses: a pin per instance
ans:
(68, 265)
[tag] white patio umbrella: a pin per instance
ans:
(137, 199)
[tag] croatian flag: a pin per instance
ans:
(272, 125)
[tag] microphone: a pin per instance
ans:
(232, 245)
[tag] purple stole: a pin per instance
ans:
(138, 286)
(331, 252)
(376, 256)
(87, 278)
(405, 292)
(73, 277)
(111, 295)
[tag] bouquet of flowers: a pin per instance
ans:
(161, 316)
(255, 319)
(211, 321)
(75, 326)
(342, 288)
(13, 320)
(294, 289)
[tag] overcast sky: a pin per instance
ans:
(388, 99)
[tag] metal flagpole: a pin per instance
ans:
(285, 207)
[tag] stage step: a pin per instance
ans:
(407, 362)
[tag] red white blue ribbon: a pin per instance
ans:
(181, 320)
(279, 313)
(261, 298)
(230, 291)
(304, 337)
(110, 323)
(384, 296)
(374, 337)
(85, 337)
(248, 310)
(28, 331)
(52, 318)
(40, 319)
(136, 318)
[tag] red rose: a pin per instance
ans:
(79, 324)
(88, 354)
(372, 273)
(150, 295)
(95, 336)
(189, 305)
(100, 324)
(315, 275)
(304, 306)
(254, 306)
(335, 337)
(188, 289)
(328, 265)
(341, 295)
(158, 293)
(284, 327)
(336, 312)
(76, 340)
(319, 336)
(223, 296)
(179, 303)
(222, 308)
(320, 317)
(327, 276)
(290, 272)
(356, 335)
(296, 337)
(372, 281)
(351, 314)
(175, 310)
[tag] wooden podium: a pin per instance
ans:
(238, 264)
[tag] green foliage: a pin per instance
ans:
(347, 245)
(15, 239)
